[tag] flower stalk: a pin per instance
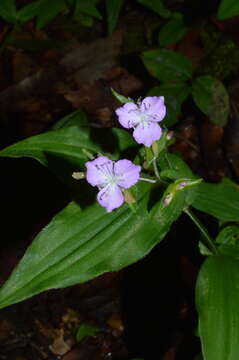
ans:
(152, 181)
(208, 241)
(156, 168)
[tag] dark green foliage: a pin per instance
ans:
(212, 98)
(217, 297)
(167, 65)
(172, 31)
(227, 9)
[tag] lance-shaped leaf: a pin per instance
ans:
(44, 10)
(86, 7)
(121, 98)
(217, 298)
(157, 6)
(113, 8)
(68, 143)
(219, 200)
(79, 245)
(68, 148)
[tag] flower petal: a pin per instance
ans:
(147, 133)
(154, 106)
(97, 171)
(127, 114)
(110, 197)
(127, 172)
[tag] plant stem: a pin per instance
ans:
(148, 180)
(156, 168)
(208, 240)
(148, 155)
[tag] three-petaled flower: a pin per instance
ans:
(143, 117)
(111, 178)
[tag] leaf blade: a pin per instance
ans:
(87, 7)
(227, 9)
(113, 8)
(166, 65)
(217, 296)
(175, 94)
(8, 11)
(44, 10)
(172, 31)
(219, 200)
(70, 145)
(86, 243)
(80, 233)
(212, 98)
(157, 6)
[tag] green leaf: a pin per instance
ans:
(164, 141)
(174, 167)
(122, 99)
(87, 7)
(204, 250)
(70, 143)
(67, 149)
(228, 240)
(67, 143)
(53, 9)
(175, 198)
(83, 244)
(113, 8)
(227, 9)
(29, 11)
(175, 94)
(228, 235)
(167, 65)
(172, 32)
(76, 118)
(79, 245)
(44, 10)
(8, 10)
(217, 298)
(84, 331)
(212, 98)
(157, 6)
(82, 19)
(124, 139)
(219, 200)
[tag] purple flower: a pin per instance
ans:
(111, 177)
(143, 118)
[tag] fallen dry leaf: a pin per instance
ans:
(59, 345)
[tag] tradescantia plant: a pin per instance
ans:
(139, 197)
